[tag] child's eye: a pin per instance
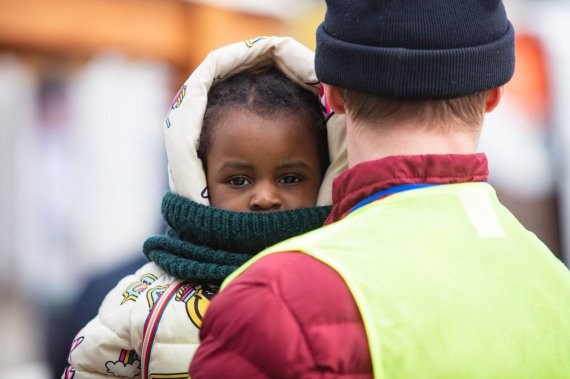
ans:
(290, 179)
(238, 181)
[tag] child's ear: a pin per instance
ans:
(334, 99)
(493, 98)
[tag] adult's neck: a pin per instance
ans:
(370, 142)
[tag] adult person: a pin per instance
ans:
(421, 272)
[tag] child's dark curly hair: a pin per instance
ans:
(268, 93)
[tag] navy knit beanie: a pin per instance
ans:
(415, 48)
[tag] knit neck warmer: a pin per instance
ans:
(207, 244)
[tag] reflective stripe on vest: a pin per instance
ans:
(449, 285)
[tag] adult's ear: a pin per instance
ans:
(493, 98)
(334, 99)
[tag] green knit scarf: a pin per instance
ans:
(207, 244)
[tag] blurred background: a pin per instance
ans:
(84, 88)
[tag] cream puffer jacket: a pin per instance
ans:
(126, 339)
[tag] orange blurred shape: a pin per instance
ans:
(529, 88)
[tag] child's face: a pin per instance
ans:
(262, 164)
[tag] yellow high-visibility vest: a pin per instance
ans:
(449, 285)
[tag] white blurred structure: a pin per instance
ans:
(82, 176)
(528, 136)
(549, 21)
(95, 174)
(18, 93)
(117, 109)
(515, 137)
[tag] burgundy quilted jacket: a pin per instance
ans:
(292, 337)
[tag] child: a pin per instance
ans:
(248, 159)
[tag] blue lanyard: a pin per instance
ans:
(388, 192)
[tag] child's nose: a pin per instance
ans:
(265, 198)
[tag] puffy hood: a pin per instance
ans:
(184, 121)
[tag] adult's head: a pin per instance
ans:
(434, 64)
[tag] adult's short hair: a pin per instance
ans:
(377, 109)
